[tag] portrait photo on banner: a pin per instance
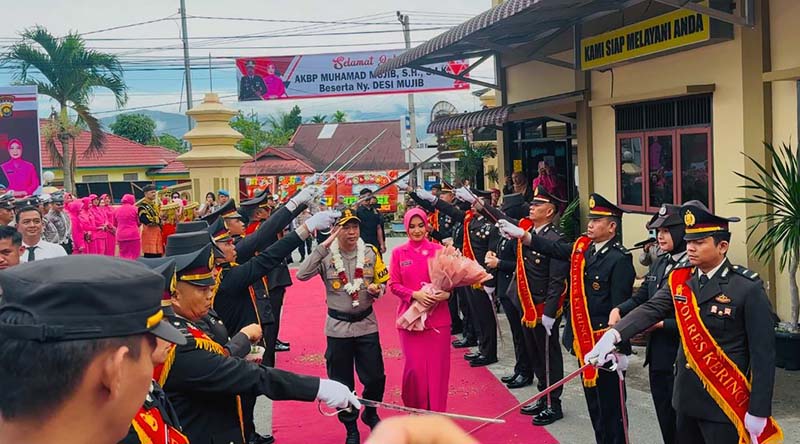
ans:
(20, 155)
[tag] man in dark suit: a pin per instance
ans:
(606, 281)
(727, 331)
(663, 338)
(251, 86)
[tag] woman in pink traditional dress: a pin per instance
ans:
(111, 234)
(23, 176)
(127, 224)
(426, 372)
(275, 86)
(100, 232)
(88, 226)
(74, 209)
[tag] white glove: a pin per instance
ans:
(312, 179)
(322, 220)
(489, 291)
(755, 425)
(619, 363)
(336, 395)
(547, 323)
(602, 351)
(465, 195)
(426, 195)
(509, 230)
(401, 185)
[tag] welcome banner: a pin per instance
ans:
(338, 74)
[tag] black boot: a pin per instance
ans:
(370, 417)
(548, 416)
(353, 437)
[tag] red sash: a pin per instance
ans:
(530, 310)
(151, 428)
(466, 247)
(584, 337)
(252, 228)
(722, 379)
(433, 221)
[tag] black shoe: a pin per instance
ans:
(471, 356)
(548, 416)
(509, 378)
(482, 361)
(281, 347)
(464, 343)
(261, 439)
(278, 341)
(535, 408)
(370, 417)
(519, 382)
(353, 437)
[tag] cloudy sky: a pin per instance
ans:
(152, 53)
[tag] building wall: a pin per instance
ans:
(784, 17)
(114, 174)
(532, 80)
(718, 64)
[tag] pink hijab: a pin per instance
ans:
(424, 244)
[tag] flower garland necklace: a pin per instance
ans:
(350, 287)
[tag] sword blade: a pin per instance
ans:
(538, 396)
(402, 408)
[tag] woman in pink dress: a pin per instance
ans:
(74, 208)
(100, 233)
(275, 86)
(426, 371)
(22, 175)
(127, 225)
(88, 225)
(111, 238)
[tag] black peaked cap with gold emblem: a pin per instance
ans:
(226, 211)
(185, 243)
(191, 227)
(165, 266)
(668, 216)
(542, 196)
(347, 216)
(121, 298)
(218, 231)
(195, 267)
(600, 207)
(701, 222)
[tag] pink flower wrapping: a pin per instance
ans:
(447, 270)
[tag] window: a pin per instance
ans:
(95, 178)
(664, 153)
(130, 176)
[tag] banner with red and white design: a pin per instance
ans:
(338, 74)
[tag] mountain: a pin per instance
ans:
(170, 123)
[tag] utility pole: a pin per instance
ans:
(404, 20)
(186, 64)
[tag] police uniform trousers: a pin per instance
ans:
(457, 325)
(537, 342)
(661, 384)
(365, 351)
(469, 330)
(691, 430)
(271, 330)
(605, 408)
(514, 315)
(481, 309)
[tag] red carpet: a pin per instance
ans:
(473, 391)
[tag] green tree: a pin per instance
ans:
(170, 142)
(251, 127)
(339, 117)
(64, 69)
(137, 127)
(471, 160)
(283, 126)
(319, 118)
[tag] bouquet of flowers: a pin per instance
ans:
(447, 270)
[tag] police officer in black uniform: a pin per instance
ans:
(663, 338)
(251, 86)
(608, 281)
(736, 312)
(501, 260)
(204, 383)
(480, 308)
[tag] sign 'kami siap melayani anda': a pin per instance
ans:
(667, 32)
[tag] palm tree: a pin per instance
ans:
(779, 190)
(319, 118)
(339, 117)
(64, 69)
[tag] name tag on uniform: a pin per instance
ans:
(405, 263)
(650, 278)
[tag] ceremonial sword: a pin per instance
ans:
(401, 408)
